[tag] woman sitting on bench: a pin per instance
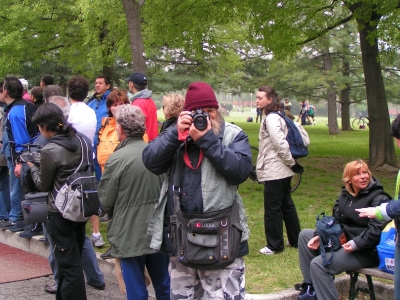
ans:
(361, 189)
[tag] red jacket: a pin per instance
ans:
(149, 109)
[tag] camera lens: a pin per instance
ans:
(200, 122)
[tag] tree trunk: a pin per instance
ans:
(331, 94)
(381, 147)
(345, 97)
(132, 12)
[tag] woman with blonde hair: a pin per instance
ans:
(172, 107)
(362, 235)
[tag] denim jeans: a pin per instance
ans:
(5, 203)
(15, 194)
(133, 274)
(93, 274)
(68, 238)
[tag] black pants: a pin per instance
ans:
(279, 208)
(68, 238)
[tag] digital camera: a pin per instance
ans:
(200, 119)
(33, 154)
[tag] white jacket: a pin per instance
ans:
(274, 158)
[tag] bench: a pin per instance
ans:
(368, 272)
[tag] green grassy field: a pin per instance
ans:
(319, 188)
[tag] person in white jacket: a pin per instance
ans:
(273, 169)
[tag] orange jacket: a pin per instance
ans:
(108, 140)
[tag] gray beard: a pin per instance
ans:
(217, 124)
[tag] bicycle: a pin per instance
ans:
(296, 179)
(360, 122)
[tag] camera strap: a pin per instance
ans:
(187, 160)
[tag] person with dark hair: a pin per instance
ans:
(128, 193)
(137, 84)
(218, 159)
(98, 103)
(84, 120)
(20, 130)
(389, 211)
(46, 80)
(273, 169)
(80, 115)
(59, 159)
(362, 235)
(51, 90)
(5, 204)
(37, 96)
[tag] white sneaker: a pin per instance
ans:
(97, 241)
(266, 251)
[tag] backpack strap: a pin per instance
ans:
(84, 164)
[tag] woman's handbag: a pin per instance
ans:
(34, 207)
(204, 241)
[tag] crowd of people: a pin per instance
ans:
(193, 165)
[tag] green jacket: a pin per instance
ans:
(128, 192)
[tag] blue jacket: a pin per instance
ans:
(100, 108)
(19, 127)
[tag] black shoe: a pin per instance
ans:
(7, 224)
(36, 230)
(51, 289)
(106, 255)
(43, 240)
(18, 226)
(100, 287)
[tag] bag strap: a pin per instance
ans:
(81, 166)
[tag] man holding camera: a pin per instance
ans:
(211, 157)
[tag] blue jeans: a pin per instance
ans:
(5, 203)
(15, 194)
(94, 276)
(133, 274)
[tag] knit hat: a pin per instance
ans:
(200, 95)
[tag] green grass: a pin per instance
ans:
(319, 188)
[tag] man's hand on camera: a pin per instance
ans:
(183, 125)
(196, 134)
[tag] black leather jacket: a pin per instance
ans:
(59, 159)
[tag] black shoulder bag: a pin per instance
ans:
(204, 241)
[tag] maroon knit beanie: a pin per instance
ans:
(200, 95)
